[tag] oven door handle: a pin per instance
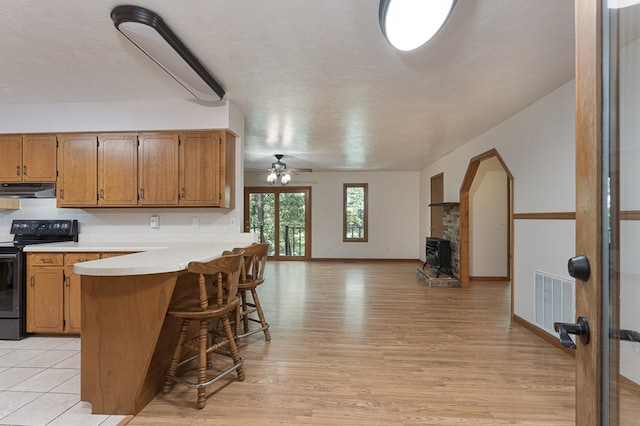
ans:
(12, 256)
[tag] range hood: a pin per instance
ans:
(28, 190)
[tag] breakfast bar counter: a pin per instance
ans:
(126, 338)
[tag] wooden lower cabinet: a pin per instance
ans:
(113, 254)
(53, 291)
(71, 308)
(44, 293)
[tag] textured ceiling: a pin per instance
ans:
(316, 80)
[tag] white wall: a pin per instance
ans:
(127, 220)
(393, 213)
(489, 221)
(537, 145)
(113, 116)
(125, 116)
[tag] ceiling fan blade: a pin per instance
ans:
(296, 170)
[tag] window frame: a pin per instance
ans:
(345, 188)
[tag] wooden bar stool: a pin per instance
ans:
(251, 276)
(210, 306)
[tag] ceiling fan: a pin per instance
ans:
(279, 171)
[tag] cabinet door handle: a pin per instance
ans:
(102, 193)
(24, 170)
(142, 193)
(32, 281)
(18, 170)
(62, 193)
(66, 281)
(183, 194)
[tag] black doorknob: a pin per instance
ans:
(579, 268)
(581, 329)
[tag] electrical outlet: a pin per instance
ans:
(195, 222)
(232, 221)
(154, 223)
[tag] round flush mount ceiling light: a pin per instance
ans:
(408, 24)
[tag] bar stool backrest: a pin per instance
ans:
(224, 273)
(255, 258)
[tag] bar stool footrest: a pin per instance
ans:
(208, 382)
(250, 332)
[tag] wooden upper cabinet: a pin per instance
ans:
(11, 158)
(199, 166)
(207, 169)
(39, 158)
(77, 170)
(29, 158)
(158, 169)
(227, 170)
(118, 170)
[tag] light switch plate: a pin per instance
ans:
(155, 222)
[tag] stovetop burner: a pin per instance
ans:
(32, 231)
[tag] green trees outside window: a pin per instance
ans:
(355, 215)
(279, 216)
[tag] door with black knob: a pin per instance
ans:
(606, 334)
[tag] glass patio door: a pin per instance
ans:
(621, 285)
(282, 217)
(607, 267)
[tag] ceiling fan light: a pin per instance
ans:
(272, 178)
(285, 179)
(408, 24)
(150, 34)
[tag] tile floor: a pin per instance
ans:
(40, 384)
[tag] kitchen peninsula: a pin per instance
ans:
(126, 340)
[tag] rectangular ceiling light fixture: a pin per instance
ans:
(150, 34)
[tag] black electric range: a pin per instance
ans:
(13, 268)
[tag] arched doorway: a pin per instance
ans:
(465, 201)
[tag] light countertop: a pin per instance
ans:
(155, 254)
(107, 246)
(154, 261)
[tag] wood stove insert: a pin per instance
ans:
(438, 254)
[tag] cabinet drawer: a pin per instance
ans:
(45, 259)
(109, 254)
(71, 258)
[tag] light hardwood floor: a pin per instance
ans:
(367, 343)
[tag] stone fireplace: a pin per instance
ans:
(451, 232)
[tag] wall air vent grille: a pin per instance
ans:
(554, 300)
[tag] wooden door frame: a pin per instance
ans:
(277, 191)
(589, 215)
(465, 188)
